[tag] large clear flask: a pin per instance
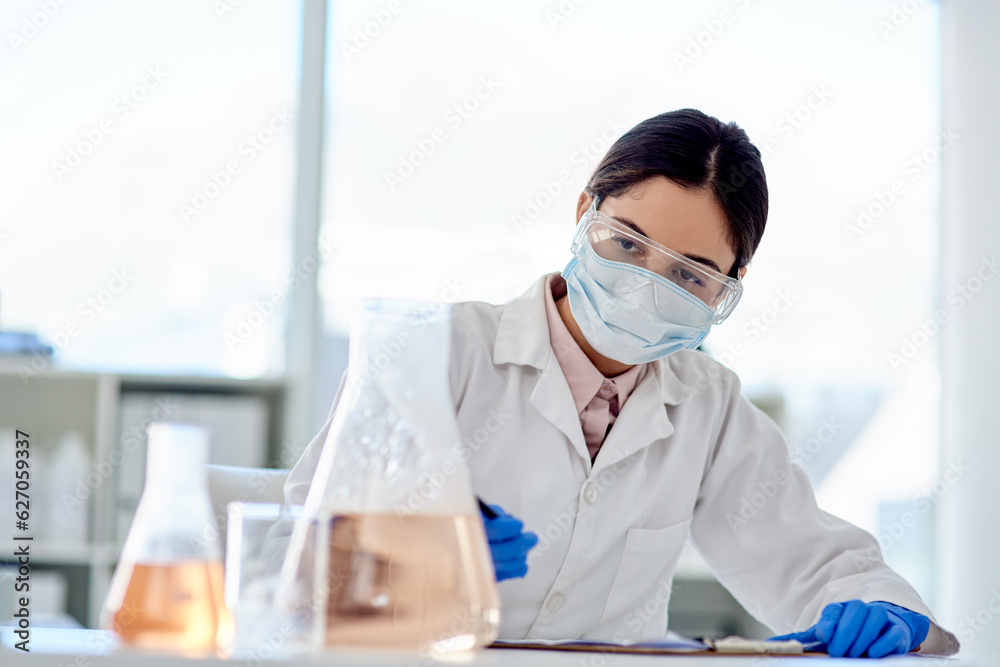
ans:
(404, 561)
(167, 590)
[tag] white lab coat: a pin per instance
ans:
(688, 458)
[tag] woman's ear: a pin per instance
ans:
(743, 272)
(582, 204)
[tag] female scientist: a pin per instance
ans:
(615, 441)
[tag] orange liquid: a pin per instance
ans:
(411, 582)
(174, 607)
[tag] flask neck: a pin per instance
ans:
(175, 461)
(398, 344)
(177, 480)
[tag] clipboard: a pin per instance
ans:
(672, 644)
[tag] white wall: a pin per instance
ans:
(969, 527)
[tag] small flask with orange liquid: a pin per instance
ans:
(166, 593)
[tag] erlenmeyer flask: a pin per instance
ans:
(166, 593)
(406, 564)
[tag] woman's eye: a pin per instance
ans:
(626, 244)
(690, 277)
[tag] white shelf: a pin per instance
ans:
(48, 553)
(53, 401)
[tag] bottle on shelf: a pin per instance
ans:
(68, 491)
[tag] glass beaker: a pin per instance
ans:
(167, 590)
(407, 564)
(257, 538)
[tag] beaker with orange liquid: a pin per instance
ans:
(403, 562)
(167, 590)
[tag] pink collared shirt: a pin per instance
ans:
(598, 399)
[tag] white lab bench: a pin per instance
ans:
(51, 647)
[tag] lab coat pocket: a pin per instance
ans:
(637, 603)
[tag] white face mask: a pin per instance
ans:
(630, 314)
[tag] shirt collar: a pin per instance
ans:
(582, 376)
(523, 338)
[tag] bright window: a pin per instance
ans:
(147, 181)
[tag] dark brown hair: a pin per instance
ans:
(698, 152)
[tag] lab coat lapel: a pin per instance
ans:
(523, 338)
(554, 401)
(643, 419)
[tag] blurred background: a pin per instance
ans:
(195, 193)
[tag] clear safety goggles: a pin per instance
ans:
(613, 241)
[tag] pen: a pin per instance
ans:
(485, 509)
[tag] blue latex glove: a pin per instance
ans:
(509, 544)
(858, 629)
